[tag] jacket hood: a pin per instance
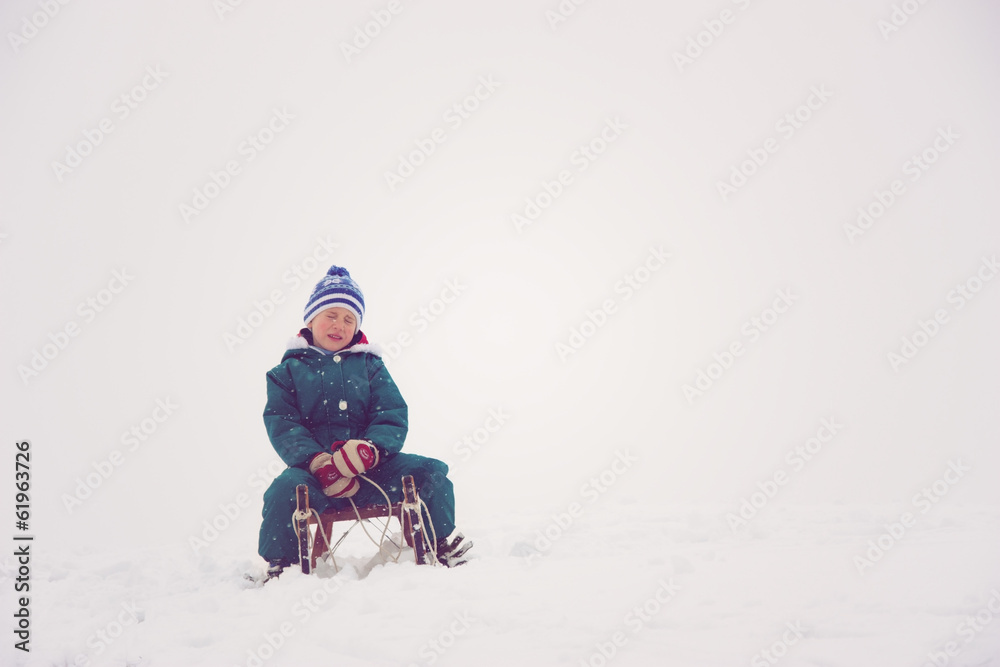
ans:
(302, 342)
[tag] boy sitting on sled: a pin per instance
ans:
(333, 413)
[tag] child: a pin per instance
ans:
(333, 413)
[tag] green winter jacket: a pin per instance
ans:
(315, 399)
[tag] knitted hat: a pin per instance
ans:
(336, 290)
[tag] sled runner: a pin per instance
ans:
(406, 512)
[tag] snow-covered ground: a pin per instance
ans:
(641, 585)
(696, 299)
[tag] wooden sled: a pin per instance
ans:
(406, 512)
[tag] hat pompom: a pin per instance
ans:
(338, 271)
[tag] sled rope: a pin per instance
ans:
(431, 544)
(298, 515)
(385, 527)
(431, 547)
(326, 538)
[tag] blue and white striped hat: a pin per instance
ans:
(336, 290)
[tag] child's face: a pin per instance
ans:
(333, 329)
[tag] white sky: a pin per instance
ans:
(336, 127)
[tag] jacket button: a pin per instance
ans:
(336, 358)
(343, 405)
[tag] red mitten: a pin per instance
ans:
(354, 457)
(334, 484)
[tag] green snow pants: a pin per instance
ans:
(277, 536)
